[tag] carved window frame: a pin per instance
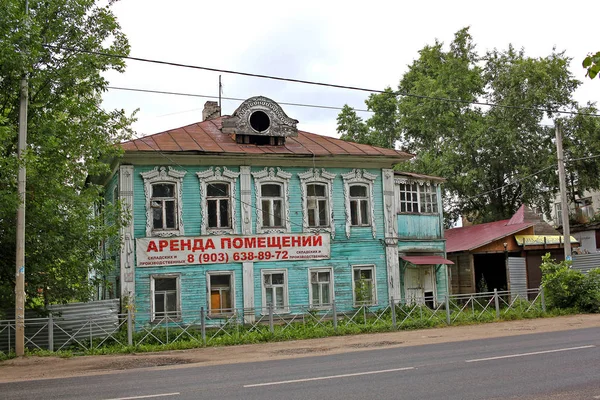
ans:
(217, 175)
(166, 175)
(424, 188)
(265, 176)
(316, 175)
(361, 177)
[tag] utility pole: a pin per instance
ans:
(20, 264)
(564, 206)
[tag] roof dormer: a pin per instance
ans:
(260, 121)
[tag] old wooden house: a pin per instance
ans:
(246, 212)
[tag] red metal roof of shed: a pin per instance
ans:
(472, 237)
(206, 137)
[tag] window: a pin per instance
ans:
(272, 205)
(165, 298)
(217, 192)
(320, 288)
(416, 197)
(317, 194)
(358, 193)
(218, 201)
(221, 293)
(363, 284)
(428, 199)
(164, 206)
(409, 198)
(272, 198)
(317, 205)
(275, 289)
(359, 205)
(162, 187)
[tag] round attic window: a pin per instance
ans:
(260, 121)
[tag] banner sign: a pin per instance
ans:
(152, 252)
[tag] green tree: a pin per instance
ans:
(480, 149)
(70, 137)
(592, 64)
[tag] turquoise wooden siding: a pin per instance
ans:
(419, 226)
(360, 249)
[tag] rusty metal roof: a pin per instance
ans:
(206, 137)
(471, 237)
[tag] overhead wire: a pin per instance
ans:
(316, 83)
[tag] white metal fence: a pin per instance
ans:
(250, 325)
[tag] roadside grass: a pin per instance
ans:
(162, 339)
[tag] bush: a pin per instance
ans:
(569, 288)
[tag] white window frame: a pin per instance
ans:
(217, 175)
(331, 288)
(426, 195)
(370, 267)
(285, 308)
(153, 277)
(364, 178)
(231, 289)
(317, 176)
(269, 176)
(164, 175)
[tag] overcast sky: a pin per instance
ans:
(363, 44)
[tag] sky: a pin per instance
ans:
(361, 44)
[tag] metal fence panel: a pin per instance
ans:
(517, 272)
(586, 262)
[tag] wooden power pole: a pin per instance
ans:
(564, 206)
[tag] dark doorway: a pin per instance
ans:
(490, 272)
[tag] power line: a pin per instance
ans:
(323, 84)
(227, 98)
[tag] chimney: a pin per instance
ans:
(211, 110)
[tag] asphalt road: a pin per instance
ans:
(557, 365)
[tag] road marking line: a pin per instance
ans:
(147, 396)
(597, 397)
(320, 378)
(531, 354)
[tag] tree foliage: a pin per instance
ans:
(70, 137)
(592, 64)
(569, 288)
(494, 158)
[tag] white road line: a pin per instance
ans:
(320, 378)
(531, 354)
(146, 396)
(597, 397)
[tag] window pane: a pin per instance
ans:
(277, 213)
(157, 218)
(226, 299)
(322, 212)
(312, 213)
(224, 208)
(212, 213)
(217, 189)
(220, 280)
(161, 284)
(269, 296)
(364, 212)
(279, 297)
(353, 212)
(266, 212)
(170, 214)
(324, 276)
(277, 279)
(163, 190)
(358, 191)
(171, 302)
(325, 293)
(267, 279)
(271, 190)
(159, 302)
(315, 293)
